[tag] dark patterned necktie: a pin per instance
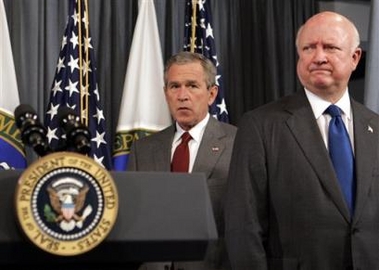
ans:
(180, 159)
(341, 154)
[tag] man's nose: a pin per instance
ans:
(183, 93)
(320, 56)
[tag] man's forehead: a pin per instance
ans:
(323, 34)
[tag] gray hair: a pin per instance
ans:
(183, 57)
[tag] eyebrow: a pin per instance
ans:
(184, 82)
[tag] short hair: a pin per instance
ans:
(185, 57)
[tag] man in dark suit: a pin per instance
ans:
(189, 89)
(285, 207)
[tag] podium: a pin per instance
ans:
(162, 216)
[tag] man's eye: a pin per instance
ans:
(308, 48)
(331, 48)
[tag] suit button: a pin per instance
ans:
(354, 230)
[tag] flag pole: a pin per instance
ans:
(86, 50)
(193, 25)
(80, 57)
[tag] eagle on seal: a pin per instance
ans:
(67, 202)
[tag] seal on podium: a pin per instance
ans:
(66, 203)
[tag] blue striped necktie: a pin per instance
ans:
(341, 154)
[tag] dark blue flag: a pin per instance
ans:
(75, 85)
(204, 43)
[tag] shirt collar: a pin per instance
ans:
(319, 105)
(196, 132)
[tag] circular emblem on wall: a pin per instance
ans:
(66, 203)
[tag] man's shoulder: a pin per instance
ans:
(226, 127)
(157, 136)
(363, 109)
(292, 102)
(229, 128)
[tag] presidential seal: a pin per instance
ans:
(66, 203)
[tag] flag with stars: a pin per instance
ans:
(198, 37)
(143, 107)
(75, 85)
(12, 154)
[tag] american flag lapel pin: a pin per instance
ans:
(215, 149)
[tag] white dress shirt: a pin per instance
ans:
(196, 133)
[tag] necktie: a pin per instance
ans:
(341, 154)
(180, 159)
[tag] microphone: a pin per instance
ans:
(33, 133)
(78, 136)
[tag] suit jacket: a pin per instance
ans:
(284, 206)
(153, 153)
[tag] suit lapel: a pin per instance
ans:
(366, 143)
(210, 148)
(308, 136)
(162, 150)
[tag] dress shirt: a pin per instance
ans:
(196, 133)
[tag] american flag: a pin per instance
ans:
(75, 85)
(201, 35)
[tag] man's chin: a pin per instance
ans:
(321, 84)
(185, 123)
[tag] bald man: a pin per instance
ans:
(286, 207)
